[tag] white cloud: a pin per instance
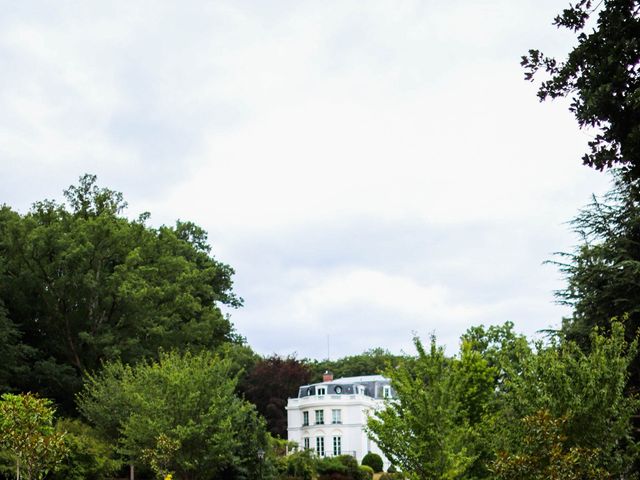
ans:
(302, 135)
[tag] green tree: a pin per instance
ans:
(546, 456)
(13, 353)
(583, 390)
(370, 362)
(28, 434)
(189, 400)
(601, 77)
(430, 428)
(84, 284)
(89, 456)
(603, 272)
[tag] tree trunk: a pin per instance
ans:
(131, 473)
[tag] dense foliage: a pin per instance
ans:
(371, 362)
(88, 455)
(269, 384)
(477, 414)
(178, 414)
(601, 77)
(81, 284)
(28, 435)
(373, 460)
(342, 467)
(603, 272)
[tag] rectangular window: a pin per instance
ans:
(320, 446)
(337, 446)
(322, 390)
(319, 417)
(305, 419)
(336, 416)
(305, 441)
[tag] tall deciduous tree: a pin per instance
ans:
(479, 413)
(601, 76)
(186, 401)
(269, 384)
(430, 428)
(84, 284)
(584, 391)
(13, 353)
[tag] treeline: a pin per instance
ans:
(117, 326)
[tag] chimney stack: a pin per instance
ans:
(327, 376)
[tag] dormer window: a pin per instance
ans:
(338, 389)
(322, 390)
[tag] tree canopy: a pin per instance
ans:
(82, 284)
(371, 362)
(480, 413)
(269, 384)
(601, 76)
(603, 272)
(179, 414)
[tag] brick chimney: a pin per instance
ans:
(327, 376)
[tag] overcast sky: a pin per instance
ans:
(370, 168)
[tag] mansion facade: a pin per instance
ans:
(330, 417)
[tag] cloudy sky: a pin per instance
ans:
(370, 168)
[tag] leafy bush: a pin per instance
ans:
(89, 456)
(298, 466)
(392, 469)
(342, 467)
(366, 472)
(392, 476)
(374, 461)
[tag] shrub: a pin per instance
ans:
(366, 472)
(392, 469)
(373, 460)
(299, 465)
(89, 456)
(342, 467)
(392, 476)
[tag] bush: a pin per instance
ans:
(392, 476)
(366, 472)
(392, 469)
(299, 466)
(374, 461)
(89, 456)
(342, 467)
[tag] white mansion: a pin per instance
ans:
(330, 417)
